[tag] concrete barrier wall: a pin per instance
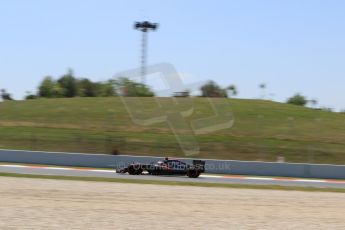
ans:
(212, 166)
(71, 159)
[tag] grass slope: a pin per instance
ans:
(262, 130)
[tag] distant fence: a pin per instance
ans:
(212, 166)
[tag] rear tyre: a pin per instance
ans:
(193, 173)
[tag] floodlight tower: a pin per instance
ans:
(144, 27)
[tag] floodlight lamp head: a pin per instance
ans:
(145, 26)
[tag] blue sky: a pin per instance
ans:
(291, 45)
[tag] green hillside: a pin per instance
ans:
(262, 130)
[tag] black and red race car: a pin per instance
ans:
(166, 167)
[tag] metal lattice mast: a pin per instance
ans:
(144, 27)
(143, 56)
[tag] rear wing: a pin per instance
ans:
(199, 164)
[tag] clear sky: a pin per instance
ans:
(291, 45)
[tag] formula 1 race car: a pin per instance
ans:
(166, 167)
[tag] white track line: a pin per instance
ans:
(313, 181)
(101, 170)
(259, 178)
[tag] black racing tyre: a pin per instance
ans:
(193, 173)
(134, 170)
(131, 170)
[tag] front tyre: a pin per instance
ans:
(135, 170)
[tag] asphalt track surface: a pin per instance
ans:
(204, 178)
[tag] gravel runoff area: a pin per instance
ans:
(58, 204)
